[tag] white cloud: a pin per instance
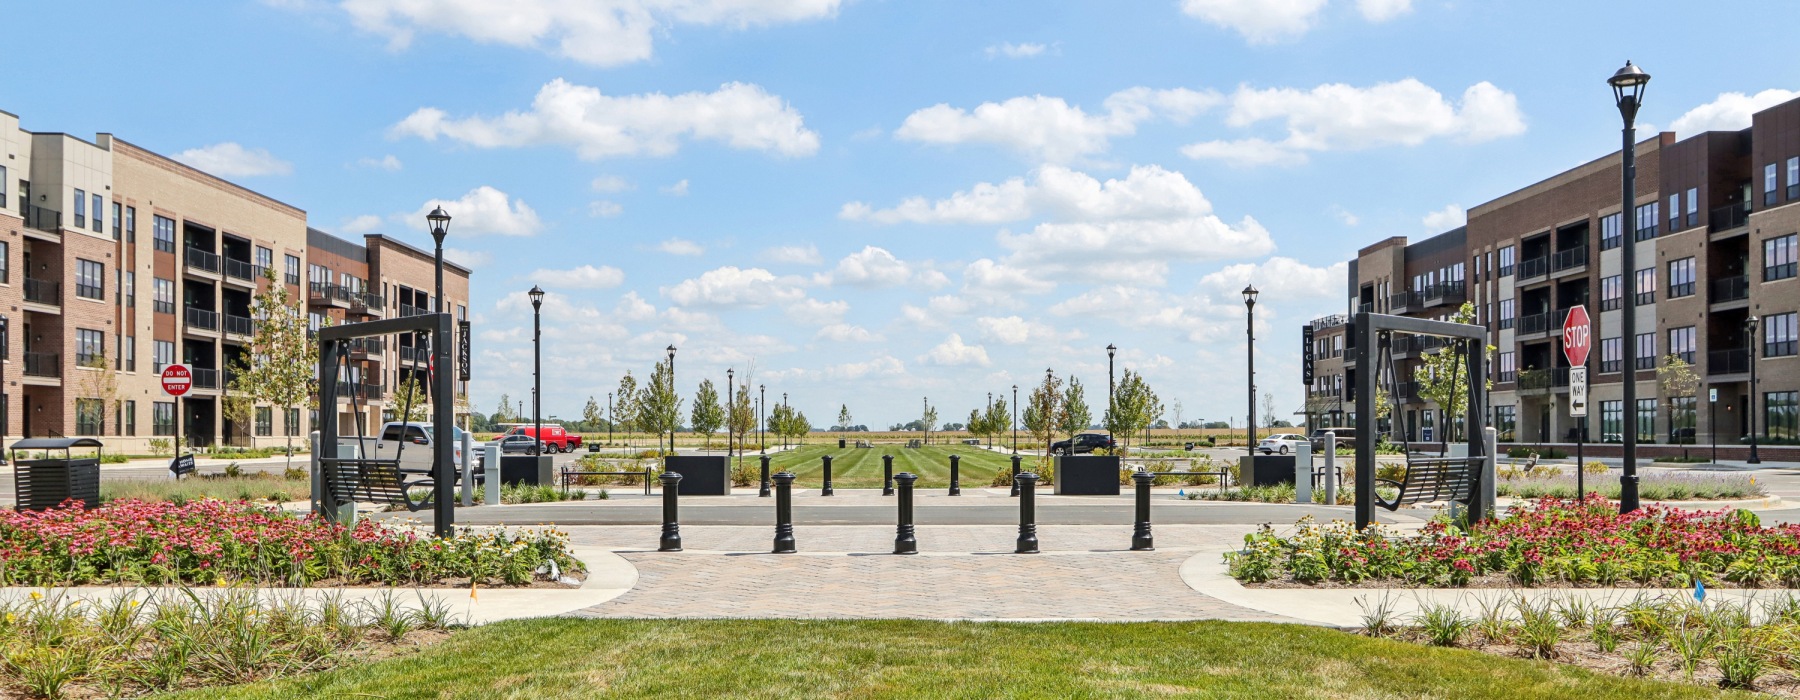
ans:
(1048, 128)
(985, 203)
(632, 307)
(597, 126)
(367, 223)
(1259, 21)
(793, 254)
(1012, 50)
(679, 189)
(1451, 216)
(731, 286)
(1730, 112)
(846, 333)
(681, 246)
(869, 267)
(813, 311)
(989, 278)
(387, 162)
(583, 277)
(596, 33)
(228, 159)
(1012, 330)
(1338, 117)
(1055, 191)
(1279, 280)
(954, 352)
(472, 259)
(607, 184)
(1383, 10)
(1344, 215)
(604, 209)
(484, 210)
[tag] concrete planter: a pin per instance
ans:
(701, 476)
(1087, 475)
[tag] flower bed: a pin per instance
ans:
(1547, 542)
(212, 542)
(1652, 486)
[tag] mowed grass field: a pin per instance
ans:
(853, 468)
(571, 658)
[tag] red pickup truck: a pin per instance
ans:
(555, 438)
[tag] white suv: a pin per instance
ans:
(1280, 442)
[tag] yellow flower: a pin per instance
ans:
(35, 595)
(10, 618)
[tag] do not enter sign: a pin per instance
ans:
(177, 379)
(1577, 336)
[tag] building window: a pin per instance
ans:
(128, 422)
(1646, 221)
(1682, 420)
(1681, 343)
(1675, 212)
(1793, 179)
(1506, 313)
(1612, 291)
(130, 287)
(1768, 185)
(1781, 416)
(1693, 208)
(265, 260)
(1778, 257)
(1646, 351)
(90, 347)
(5, 262)
(90, 279)
(164, 352)
(162, 418)
(1646, 420)
(99, 205)
(293, 270)
(162, 233)
(318, 274)
(163, 295)
(265, 421)
(1612, 421)
(1509, 369)
(130, 224)
(80, 209)
(90, 417)
(118, 220)
(1610, 354)
(1681, 278)
(1610, 237)
(129, 350)
(1646, 286)
(1779, 334)
(1506, 261)
(1506, 422)
(291, 422)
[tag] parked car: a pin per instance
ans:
(555, 438)
(519, 443)
(418, 437)
(1280, 442)
(1346, 437)
(1085, 442)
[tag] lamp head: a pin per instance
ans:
(1111, 350)
(439, 221)
(1250, 296)
(1751, 322)
(1628, 90)
(671, 352)
(537, 297)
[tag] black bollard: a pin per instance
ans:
(1028, 543)
(1015, 479)
(1141, 541)
(887, 475)
(955, 475)
(904, 542)
(826, 489)
(784, 513)
(671, 531)
(764, 491)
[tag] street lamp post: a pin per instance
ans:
(609, 419)
(1015, 425)
(1250, 347)
(784, 405)
(1628, 91)
(1110, 351)
(674, 416)
(762, 420)
(440, 225)
(537, 366)
(1750, 415)
(729, 409)
(990, 409)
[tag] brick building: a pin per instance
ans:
(116, 261)
(1714, 224)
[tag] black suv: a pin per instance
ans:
(1346, 437)
(1085, 442)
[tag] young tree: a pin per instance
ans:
(708, 415)
(843, 419)
(930, 420)
(1175, 408)
(591, 416)
(659, 408)
(418, 410)
(282, 365)
(741, 417)
(798, 426)
(1268, 409)
(997, 420)
(101, 385)
(1678, 381)
(1041, 410)
(625, 405)
(977, 425)
(1134, 406)
(1073, 415)
(1443, 377)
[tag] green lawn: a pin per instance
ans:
(568, 658)
(853, 468)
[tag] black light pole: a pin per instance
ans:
(784, 405)
(1250, 347)
(674, 417)
(1110, 351)
(1750, 415)
(762, 421)
(990, 410)
(537, 366)
(609, 419)
(728, 411)
(1628, 91)
(1015, 419)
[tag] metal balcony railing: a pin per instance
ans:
(359, 390)
(1535, 267)
(205, 378)
(240, 269)
(202, 319)
(1443, 293)
(365, 346)
(43, 364)
(239, 325)
(1534, 323)
(410, 310)
(43, 291)
(1730, 289)
(1569, 259)
(1728, 217)
(202, 260)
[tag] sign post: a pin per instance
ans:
(1577, 339)
(1712, 426)
(177, 379)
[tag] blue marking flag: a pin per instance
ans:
(1700, 590)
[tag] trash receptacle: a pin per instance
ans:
(840, 443)
(42, 484)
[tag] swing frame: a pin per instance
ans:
(1368, 328)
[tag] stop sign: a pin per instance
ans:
(1577, 336)
(177, 379)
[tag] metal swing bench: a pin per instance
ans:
(1427, 479)
(369, 479)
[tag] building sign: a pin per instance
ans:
(462, 350)
(1306, 355)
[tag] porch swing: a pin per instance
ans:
(1427, 479)
(368, 479)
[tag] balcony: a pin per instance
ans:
(1406, 301)
(1444, 293)
(1569, 259)
(328, 293)
(240, 270)
(1730, 289)
(1365, 308)
(202, 261)
(239, 325)
(362, 348)
(41, 219)
(201, 319)
(358, 390)
(1535, 267)
(1534, 323)
(43, 364)
(410, 310)
(1728, 217)
(368, 303)
(410, 354)
(43, 292)
(205, 378)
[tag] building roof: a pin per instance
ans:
(385, 240)
(334, 245)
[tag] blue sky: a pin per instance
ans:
(871, 201)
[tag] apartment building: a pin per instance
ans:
(116, 261)
(1714, 228)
